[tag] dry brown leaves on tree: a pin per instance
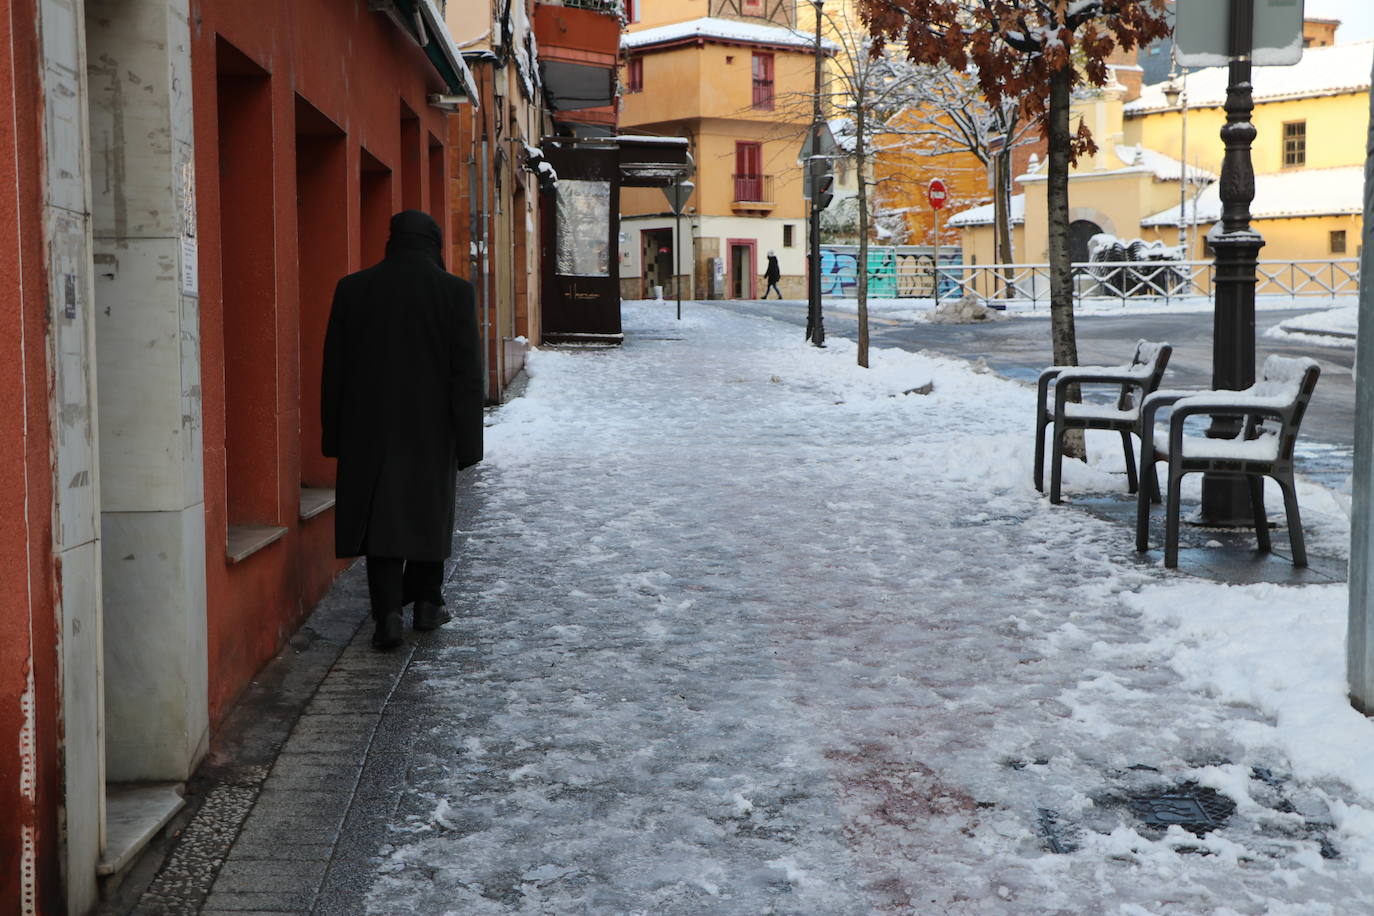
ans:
(1014, 46)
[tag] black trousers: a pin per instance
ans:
(392, 583)
(772, 288)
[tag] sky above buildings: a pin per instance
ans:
(1356, 16)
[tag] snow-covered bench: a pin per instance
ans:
(1135, 380)
(1272, 410)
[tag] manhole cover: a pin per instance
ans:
(1194, 808)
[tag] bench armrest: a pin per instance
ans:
(1191, 407)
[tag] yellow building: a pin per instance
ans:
(1308, 155)
(735, 79)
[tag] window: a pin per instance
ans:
(788, 235)
(763, 80)
(632, 10)
(748, 170)
(634, 75)
(1338, 241)
(752, 8)
(1294, 143)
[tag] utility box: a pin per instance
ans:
(716, 278)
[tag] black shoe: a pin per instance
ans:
(389, 632)
(430, 616)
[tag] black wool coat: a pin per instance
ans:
(401, 402)
(772, 273)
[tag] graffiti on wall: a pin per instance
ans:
(894, 272)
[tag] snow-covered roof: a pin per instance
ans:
(842, 129)
(1136, 159)
(652, 140)
(1166, 168)
(984, 215)
(1332, 70)
(710, 27)
(1302, 192)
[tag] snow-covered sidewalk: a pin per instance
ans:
(749, 630)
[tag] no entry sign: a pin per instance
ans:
(937, 194)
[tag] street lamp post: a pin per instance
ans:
(1176, 91)
(815, 326)
(1225, 500)
(678, 193)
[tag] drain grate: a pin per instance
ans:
(1196, 809)
(1047, 823)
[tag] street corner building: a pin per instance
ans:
(725, 76)
(185, 182)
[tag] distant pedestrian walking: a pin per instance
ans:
(772, 273)
(401, 409)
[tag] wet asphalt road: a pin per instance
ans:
(1019, 348)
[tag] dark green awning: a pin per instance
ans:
(424, 23)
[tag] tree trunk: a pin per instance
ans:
(1062, 338)
(861, 273)
(1001, 195)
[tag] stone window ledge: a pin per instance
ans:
(315, 500)
(246, 540)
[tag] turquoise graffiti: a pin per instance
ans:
(894, 272)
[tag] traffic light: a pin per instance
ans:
(822, 190)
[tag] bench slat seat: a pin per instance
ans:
(1131, 383)
(1272, 411)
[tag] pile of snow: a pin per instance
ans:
(1334, 327)
(962, 311)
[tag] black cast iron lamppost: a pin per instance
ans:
(1226, 500)
(815, 326)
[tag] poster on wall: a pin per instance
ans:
(584, 220)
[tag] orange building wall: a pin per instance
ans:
(321, 50)
(904, 177)
(705, 92)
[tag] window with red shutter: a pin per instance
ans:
(763, 80)
(748, 170)
(634, 75)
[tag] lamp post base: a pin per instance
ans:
(1225, 498)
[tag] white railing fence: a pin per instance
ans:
(1125, 282)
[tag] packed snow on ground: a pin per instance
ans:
(746, 629)
(1334, 327)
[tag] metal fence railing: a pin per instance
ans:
(613, 7)
(913, 276)
(753, 188)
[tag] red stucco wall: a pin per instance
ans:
(28, 636)
(357, 69)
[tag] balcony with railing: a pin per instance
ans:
(753, 192)
(579, 51)
(609, 7)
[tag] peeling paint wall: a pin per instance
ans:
(71, 360)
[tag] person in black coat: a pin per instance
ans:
(401, 410)
(772, 273)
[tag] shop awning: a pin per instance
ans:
(423, 22)
(653, 162)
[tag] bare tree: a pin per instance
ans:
(954, 117)
(870, 88)
(1032, 53)
(865, 92)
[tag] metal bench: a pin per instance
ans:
(1135, 380)
(1272, 410)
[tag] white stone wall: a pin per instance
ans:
(148, 327)
(71, 361)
